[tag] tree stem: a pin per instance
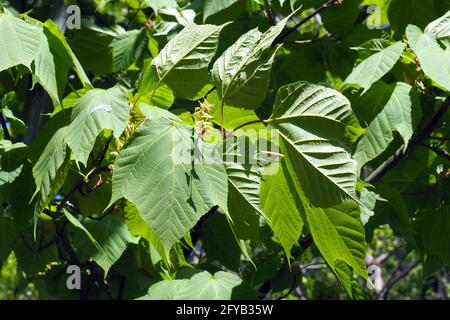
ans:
(268, 12)
(4, 127)
(399, 155)
(288, 32)
(442, 153)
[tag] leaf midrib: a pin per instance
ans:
(322, 174)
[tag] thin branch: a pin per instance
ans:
(103, 216)
(131, 18)
(79, 186)
(439, 138)
(398, 279)
(4, 127)
(442, 153)
(420, 135)
(209, 92)
(268, 12)
(102, 155)
(222, 120)
(123, 279)
(288, 32)
(250, 123)
(291, 289)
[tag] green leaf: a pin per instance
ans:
(374, 68)
(19, 42)
(98, 199)
(201, 286)
(232, 117)
(9, 103)
(433, 226)
(241, 74)
(386, 109)
(220, 243)
(280, 207)
(243, 199)
(92, 42)
(183, 17)
(368, 202)
(112, 236)
(311, 121)
(211, 8)
(434, 61)
(52, 28)
(348, 282)
(49, 172)
(127, 47)
(339, 235)
(157, 172)
(74, 221)
(11, 157)
(341, 19)
(183, 63)
(33, 261)
(52, 64)
(159, 4)
(404, 12)
(162, 97)
(50, 61)
(94, 112)
(138, 227)
(337, 231)
(440, 28)
(8, 237)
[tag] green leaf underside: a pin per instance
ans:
(241, 74)
(169, 189)
(138, 227)
(399, 110)
(19, 42)
(280, 207)
(183, 63)
(243, 199)
(48, 167)
(311, 119)
(94, 112)
(434, 60)
(202, 286)
(41, 48)
(375, 67)
(112, 237)
(337, 231)
(440, 28)
(75, 222)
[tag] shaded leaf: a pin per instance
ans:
(94, 112)
(386, 109)
(113, 238)
(374, 68)
(280, 207)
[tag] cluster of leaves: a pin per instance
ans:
(117, 139)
